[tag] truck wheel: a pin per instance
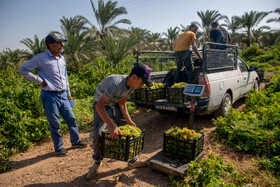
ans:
(224, 107)
(256, 86)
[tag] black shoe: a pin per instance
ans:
(79, 145)
(61, 152)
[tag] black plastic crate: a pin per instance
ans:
(125, 148)
(149, 95)
(183, 151)
(175, 95)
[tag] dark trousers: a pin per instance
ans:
(184, 66)
(99, 126)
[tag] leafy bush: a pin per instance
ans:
(21, 114)
(257, 129)
(271, 164)
(251, 52)
(211, 172)
(268, 59)
(84, 83)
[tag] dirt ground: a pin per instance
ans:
(40, 167)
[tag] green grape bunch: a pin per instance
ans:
(183, 134)
(117, 149)
(155, 86)
(130, 130)
(179, 85)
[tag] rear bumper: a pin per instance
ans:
(201, 105)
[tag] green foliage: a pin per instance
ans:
(264, 59)
(131, 107)
(211, 172)
(157, 63)
(257, 130)
(21, 111)
(252, 52)
(271, 164)
(84, 112)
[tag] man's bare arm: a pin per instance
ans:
(100, 108)
(123, 108)
(194, 48)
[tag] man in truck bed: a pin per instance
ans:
(183, 53)
(219, 35)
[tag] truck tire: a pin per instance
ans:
(256, 86)
(224, 107)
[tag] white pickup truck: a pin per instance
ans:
(225, 76)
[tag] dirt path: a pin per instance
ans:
(40, 167)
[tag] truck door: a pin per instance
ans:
(245, 81)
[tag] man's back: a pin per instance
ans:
(219, 35)
(183, 41)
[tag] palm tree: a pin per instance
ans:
(171, 36)
(140, 36)
(232, 26)
(258, 35)
(117, 48)
(184, 28)
(77, 36)
(271, 38)
(250, 21)
(12, 58)
(35, 46)
(106, 14)
(277, 10)
(207, 19)
(154, 41)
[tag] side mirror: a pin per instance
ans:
(253, 68)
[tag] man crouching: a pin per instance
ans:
(110, 106)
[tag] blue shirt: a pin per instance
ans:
(51, 70)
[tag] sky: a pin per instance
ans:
(20, 19)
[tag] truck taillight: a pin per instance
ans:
(203, 80)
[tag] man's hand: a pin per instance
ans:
(132, 123)
(70, 98)
(115, 132)
(43, 84)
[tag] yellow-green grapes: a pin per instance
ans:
(179, 85)
(130, 130)
(183, 134)
(155, 86)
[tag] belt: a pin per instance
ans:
(62, 91)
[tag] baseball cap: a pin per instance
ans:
(143, 71)
(53, 38)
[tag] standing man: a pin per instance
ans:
(183, 53)
(55, 95)
(219, 35)
(110, 109)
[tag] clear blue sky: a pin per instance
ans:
(20, 19)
